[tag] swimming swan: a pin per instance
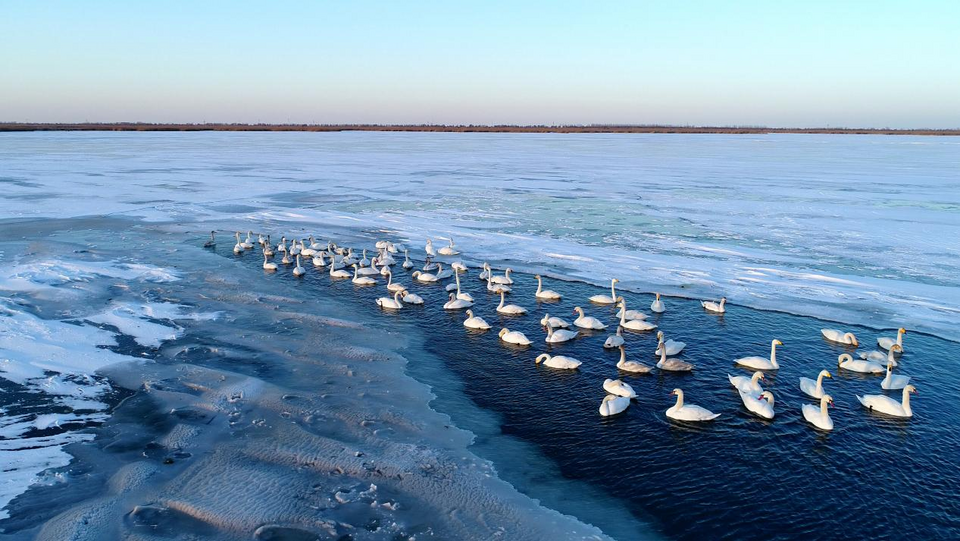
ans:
(613, 404)
(614, 340)
(587, 322)
(298, 270)
(267, 265)
(248, 244)
(840, 337)
(886, 343)
(761, 363)
(460, 294)
(212, 242)
(554, 322)
(657, 305)
(673, 347)
(747, 385)
(238, 247)
(496, 288)
(716, 308)
(558, 361)
(892, 382)
(672, 365)
(424, 277)
(412, 298)
(338, 273)
(637, 325)
(407, 264)
(391, 286)
(759, 404)
(361, 280)
(513, 337)
(545, 294)
(689, 412)
(603, 299)
(847, 362)
(814, 389)
(559, 335)
(509, 309)
(453, 303)
(505, 279)
(629, 314)
(475, 322)
(819, 417)
(884, 404)
(619, 388)
(391, 304)
(634, 367)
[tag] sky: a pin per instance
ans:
(733, 63)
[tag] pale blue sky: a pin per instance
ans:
(870, 63)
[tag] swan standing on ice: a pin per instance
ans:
(657, 305)
(759, 404)
(689, 412)
(819, 417)
(840, 337)
(892, 382)
(391, 304)
(637, 325)
(603, 299)
(424, 277)
(509, 309)
(614, 340)
(587, 322)
(360, 280)
(412, 298)
(634, 367)
(619, 388)
(747, 385)
(887, 343)
(761, 363)
(558, 361)
(560, 335)
(629, 314)
(673, 347)
(884, 404)
(475, 322)
(448, 250)
(453, 303)
(613, 404)
(407, 264)
(267, 264)
(513, 337)
(429, 248)
(213, 240)
(672, 365)
(238, 247)
(554, 322)
(846, 362)
(715, 307)
(814, 389)
(545, 294)
(299, 270)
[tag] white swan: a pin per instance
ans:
(442, 274)
(840, 337)
(407, 264)
(603, 299)
(453, 303)
(689, 412)
(318, 260)
(892, 382)
(505, 279)
(485, 273)
(372, 270)
(545, 294)
(554, 322)
(619, 388)
(364, 262)
(762, 363)
(391, 286)
(429, 265)
(238, 247)
(475, 322)
(657, 305)
(614, 340)
(759, 404)
(715, 307)
(509, 309)
(286, 258)
(314, 245)
(558, 361)
(747, 385)
(448, 250)
(814, 389)
(338, 273)
(460, 294)
(631, 366)
(513, 337)
(496, 288)
(391, 304)
(298, 270)
(248, 244)
(424, 277)
(673, 347)
(613, 404)
(267, 264)
(282, 247)
(361, 280)
(412, 298)
(560, 335)
(886, 343)
(819, 417)
(306, 250)
(672, 365)
(636, 325)
(587, 322)
(429, 248)
(629, 314)
(884, 404)
(847, 362)
(878, 356)
(268, 247)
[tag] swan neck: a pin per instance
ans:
(502, 298)
(679, 400)
(623, 354)
(756, 377)
(906, 400)
(820, 382)
(613, 291)
(773, 355)
(823, 408)
(539, 285)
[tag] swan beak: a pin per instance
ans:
(828, 375)
(779, 343)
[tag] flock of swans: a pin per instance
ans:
(619, 394)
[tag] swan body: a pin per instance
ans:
(637, 325)
(361, 280)
(814, 389)
(613, 404)
(429, 248)
(299, 270)
(884, 404)
(391, 304)
(587, 322)
(412, 298)
(513, 337)
(614, 340)
(509, 309)
(372, 270)
(456, 304)
(407, 264)
(475, 322)
(631, 366)
(877, 357)
(619, 388)
(747, 385)
(338, 273)
(441, 273)
(384, 270)
(294, 247)
(759, 404)
(887, 343)
(505, 279)
(554, 322)
(448, 250)
(840, 337)
(672, 365)
(558, 361)
(715, 307)
(267, 264)
(762, 363)
(391, 286)
(689, 412)
(429, 265)
(629, 314)
(268, 247)
(819, 417)
(545, 294)
(286, 258)
(559, 335)
(306, 251)
(673, 347)
(424, 277)
(847, 362)
(657, 305)
(603, 299)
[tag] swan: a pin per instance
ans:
(441, 273)
(554, 322)
(448, 250)
(892, 382)
(886, 343)
(456, 304)
(681, 412)
(762, 363)
(306, 250)
(392, 286)
(637, 325)
(619, 388)
(412, 298)
(267, 265)
(424, 277)
(630, 314)
(338, 273)
(407, 264)
(603, 299)
(298, 270)
(510, 309)
(631, 366)
(657, 305)
(384, 269)
(212, 242)
(558, 361)
(461, 295)
(363, 259)
(545, 294)
(318, 260)
(286, 258)
(429, 265)
(814, 389)
(673, 347)
(497, 288)
(268, 247)
(715, 307)
(316, 246)
(238, 247)
(282, 247)
(248, 244)
(391, 304)
(756, 403)
(475, 322)
(505, 279)
(361, 280)
(429, 248)
(747, 385)
(613, 404)
(819, 417)
(560, 335)
(884, 404)
(458, 266)
(485, 273)
(348, 258)
(381, 244)
(384, 259)
(672, 365)
(847, 362)
(372, 270)
(294, 247)
(587, 322)
(513, 337)
(878, 357)
(260, 240)
(840, 337)
(614, 340)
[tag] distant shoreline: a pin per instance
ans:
(731, 130)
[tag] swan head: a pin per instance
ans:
(909, 389)
(614, 281)
(658, 296)
(889, 366)
(676, 392)
(844, 358)
(768, 395)
(542, 357)
(851, 338)
(826, 374)
(451, 296)
(507, 272)
(827, 400)
(537, 276)
(578, 310)
(469, 313)
(901, 330)
(416, 273)
(659, 335)
(503, 331)
(545, 320)
(776, 343)
(896, 348)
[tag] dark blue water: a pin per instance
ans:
(738, 477)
